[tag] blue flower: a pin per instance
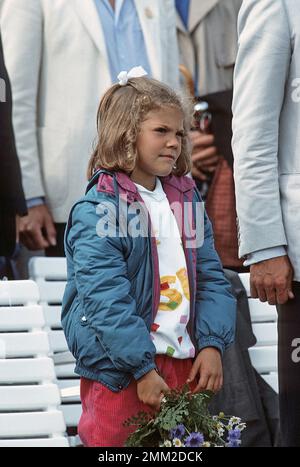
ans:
(177, 432)
(194, 440)
(233, 443)
(234, 434)
(234, 438)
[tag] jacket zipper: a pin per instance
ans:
(189, 263)
(155, 269)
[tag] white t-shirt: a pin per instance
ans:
(169, 330)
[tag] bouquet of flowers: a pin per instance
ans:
(184, 421)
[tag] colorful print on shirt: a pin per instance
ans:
(169, 330)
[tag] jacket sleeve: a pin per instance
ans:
(215, 304)
(260, 79)
(105, 293)
(22, 37)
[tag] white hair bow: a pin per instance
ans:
(135, 72)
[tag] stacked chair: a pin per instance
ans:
(264, 324)
(30, 400)
(50, 275)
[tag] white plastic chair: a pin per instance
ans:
(50, 274)
(29, 397)
(264, 324)
(18, 293)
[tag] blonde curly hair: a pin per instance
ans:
(121, 111)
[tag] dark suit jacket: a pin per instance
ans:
(245, 393)
(12, 200)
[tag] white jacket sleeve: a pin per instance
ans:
(22, 29)
(259, 91)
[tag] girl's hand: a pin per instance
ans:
(151, 389)
(208, 365)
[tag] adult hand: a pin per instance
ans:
(204, 155)
(208, 365)
(271, 280)
(37, 230)
(151, 389)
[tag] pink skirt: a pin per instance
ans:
(104, 411)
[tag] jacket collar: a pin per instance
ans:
(88, 15)
(198, 11)
(182, 184)
(104, 180)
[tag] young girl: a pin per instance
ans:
(145, 309)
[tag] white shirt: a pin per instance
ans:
(169, 330)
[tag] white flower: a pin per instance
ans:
(241, 426)
(167, 443)
(177, 443)
(220, 428)
(234, 420)
(206, 444)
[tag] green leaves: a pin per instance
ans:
(177, 408)
(169, 417)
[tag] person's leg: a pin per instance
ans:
(3, 271)
(289, 369)
(58, 249)
(104, 411)
(8, 266)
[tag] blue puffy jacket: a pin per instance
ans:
(113, 287)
